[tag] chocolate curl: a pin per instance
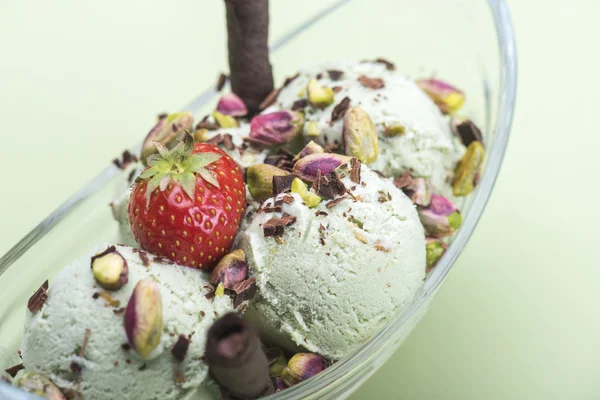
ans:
(251, 75)
(236, 360)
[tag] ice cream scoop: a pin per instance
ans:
(330, 274)
(144, 339)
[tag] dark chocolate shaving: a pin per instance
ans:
(372, 83)
(126, 347)
(335, 202)
(86, 339)
(180, 347)
(37, 301)
(126, 159)
(256, 143)
(300, 105)
(228, 141)
(468, 132)
(290, 79)
(336, 89)
(388, 64)
(221, 81)
(76, 368)
(403, 180)
(334, 74)
(130, 176)
(355, 170)
(320, 212)
(12, 371)
(319, 75)
(207, 125)
(144, 258)
(248, 33)
(282, 184)
(287, 199)
(236, 360)
(270, 209)
(216, 140)
(244, 290)
(270, 99)
(95, 295)
(119, 311)
(274, 226)
(381, 174)
(340, 110)
(330, 186)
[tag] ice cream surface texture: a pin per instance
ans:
(337, 273)
(412, 131)
(109, 367)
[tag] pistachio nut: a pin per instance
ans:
(434, 249)
(143, 317)
(260, 180)
(448, 98)
(110, 269)
(200, 135)
(278, 127)
(225, 121)
(40, 385)
(394, 130)
(307, 167)
(166, 131)
(220, 290)
(310, 148)
(301, 367)
(312, 129)
(319, 96)
(419, 191)
(441, 218)
(466, 174)
(231, 270)
(310, 199)
(277, 361)
(359, 136)
(231, 104)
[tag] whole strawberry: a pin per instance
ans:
(188, 203)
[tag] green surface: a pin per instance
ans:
(518, 317)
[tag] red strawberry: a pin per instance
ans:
(188, 203)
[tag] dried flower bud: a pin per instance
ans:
(319, 96)
(110, 269)
(301, 367)
(143, 317)
(359, 136)
(225, 121)
(419, 191)
(306, 167)
(166, 131)
(310, 199)
(231, 104)
(448, 98)
(231, 269)
(467, 170)
(278, 127)
(441, 218)
(40, 385)
(260, 180)
(435, 249)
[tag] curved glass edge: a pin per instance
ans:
(343, 369)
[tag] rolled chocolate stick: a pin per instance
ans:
(236, 360)
(251, 75)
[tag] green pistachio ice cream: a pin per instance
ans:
(336, 274)
(109, 364)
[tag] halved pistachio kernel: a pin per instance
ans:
(225, 121)
(143, 317)
(231, 104)
(278, 127)
(301, 367)
(166, 131)
(40, 385)
(231, 270)
(312, 129)
(260, 180)
(310, 148)
(441, 218)
(110, 269)
(220, 290)
(277, 361)
(307, 167)
(319, 96)
(419, 191)
(448, 98)
(394, 130)
(359, 136)
(434, 250)
(310, 199)
(467, 170)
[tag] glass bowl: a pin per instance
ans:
(469, 43)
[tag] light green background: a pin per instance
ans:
(519, 317)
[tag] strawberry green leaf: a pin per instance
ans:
(198, 161)
(187, 181)
(209, 177)
(162, 150)
(152, 185)
(164, 182)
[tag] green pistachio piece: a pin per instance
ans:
(225, 121)
(319, 96)
(359, 136)
(260, 180)
(467, 169)
(310, 199)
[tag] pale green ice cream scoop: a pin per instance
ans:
(110, 367)
(338, 273)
